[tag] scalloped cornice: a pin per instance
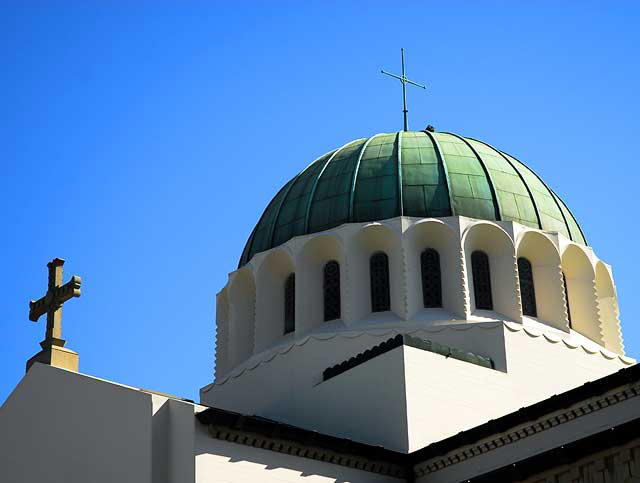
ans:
(269, 355)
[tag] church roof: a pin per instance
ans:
(262, 432)
(501, 425)
(269, 434)
(418, 174)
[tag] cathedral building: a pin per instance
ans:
(410, 307)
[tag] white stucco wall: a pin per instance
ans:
(59, 426)
(253, 322)
(446, 396)
(540, 250)
(62, 427)
(365, 403)
(173, 431)
(531, 364)
(290, 389)
(224, 462)
(537, 443)
(286, 369)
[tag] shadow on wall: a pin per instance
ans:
(242, 294)
(223, 341)
(544, 257)
(436, 235)
(581, 292)
(271, 278)
(374, 238)
(313, 258)
(218, 460)
(492, 241)
(160, 445)
(608, 309)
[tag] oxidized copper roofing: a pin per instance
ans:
(418, 174)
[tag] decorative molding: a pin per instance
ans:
(524, 431)
(594, 292)
(222, 333)
(466, 294)
(518, 292)
(404, 290)
(591, 397)
(269, 355)
(345, 288)
(398, 341)
(618, 464)
(404, 281)
(555, 338)
(312, 451)
(565, 304)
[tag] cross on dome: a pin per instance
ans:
(403, 78)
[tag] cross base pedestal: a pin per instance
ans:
(57, 356)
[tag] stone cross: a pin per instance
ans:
(51, 304)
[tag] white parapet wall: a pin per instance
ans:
(63, 427)
(59, 426)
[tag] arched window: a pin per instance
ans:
(431, 278)
(331, 290)
(566, 296)
(527, 290)
(379, 273)
(481, 280)
(290, 303)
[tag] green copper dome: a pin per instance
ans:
(420, 174)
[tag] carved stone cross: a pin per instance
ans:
(51, 304)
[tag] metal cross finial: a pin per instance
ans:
(405, 81)
(51, 304)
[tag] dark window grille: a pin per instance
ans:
(527, 290)
(481, 280)
(290, 303)
(431, 278)
(331, 290)
(379, 273)
(566, 296)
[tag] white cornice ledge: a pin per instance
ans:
(555, 338)
(270, 354)
(528, 429)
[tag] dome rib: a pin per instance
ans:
(560, 200)
(435, 175)
(352, 193)
(315, 185)
(250, 242)
(440, 156)
(244, 258)
(290, 217)
(555, 199)
(494, 195)
(533, 200)
(399, 166)
(272, 228)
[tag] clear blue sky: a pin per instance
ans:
(142, 140)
